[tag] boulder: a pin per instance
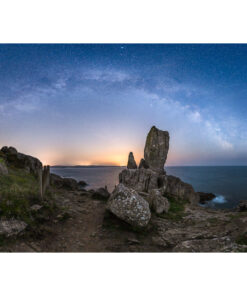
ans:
(156, 149)
(101, 193)
(160, 204)
(11, 227)
(131, 162)
(143, 164)
(181, 190)
(82, 184)
(242, 206)
(142, 180)
(22, 161)
(204, 197)
(129, 206)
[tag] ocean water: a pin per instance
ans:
(228, 183)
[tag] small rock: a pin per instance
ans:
(12, 227)
(36, 208)
(101, 193)
(131, 162)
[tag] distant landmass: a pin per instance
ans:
(87, 166)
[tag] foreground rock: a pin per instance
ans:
(159, 203)
(129, 206)
(131, 162)
(156, 149)
(12, 227)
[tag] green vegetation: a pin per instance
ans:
(242, 239)
(2, 160)
(18, 190)
(176, 211)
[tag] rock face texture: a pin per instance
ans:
(159, 203)
(131, 162)
(141, 180)
(19, 160)
(156, 149)
(129, 206)
(151, 174)
(181, 190)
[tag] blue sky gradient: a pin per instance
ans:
(92, 104)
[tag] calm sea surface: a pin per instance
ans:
(227, 183)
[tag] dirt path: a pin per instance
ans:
(89, 229)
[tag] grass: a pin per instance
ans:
(176, 211)
(18, 190)
(242, 239)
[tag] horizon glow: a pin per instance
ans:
(93, 104)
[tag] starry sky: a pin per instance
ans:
(93, 103)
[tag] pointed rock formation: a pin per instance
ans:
(156, 149)
(131, 162)
(143, 164)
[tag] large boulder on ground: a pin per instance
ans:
(156, 149)
(101, 193)
(181, 190)
(131, 162)
(11, 227)
(22, 161)
(142, 180)
(129, 206)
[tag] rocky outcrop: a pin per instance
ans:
(156, 149)
(151, 174)
(22, 161)
(129, 206)
(131, 162)
(204, 197)
(65, 183)
(181, 190)
(242, 206)
(159, 203)
(142, 180)
(143, 164)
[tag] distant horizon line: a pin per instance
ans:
(96, 165)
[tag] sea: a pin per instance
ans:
(228, 183)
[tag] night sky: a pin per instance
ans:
(92, 104)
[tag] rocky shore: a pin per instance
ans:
(148, 211)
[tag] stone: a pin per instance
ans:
(129, 206)
(36, 208)
(156, 149)
(66, 183)
(12, 227)
(204, 197)
(242, 206)
(131, 162)
(82, 184)
(22, 161)
(181, 190)
(141, 180)
(101, 193)
(159, 203)
(3, 169)
(143, 164)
